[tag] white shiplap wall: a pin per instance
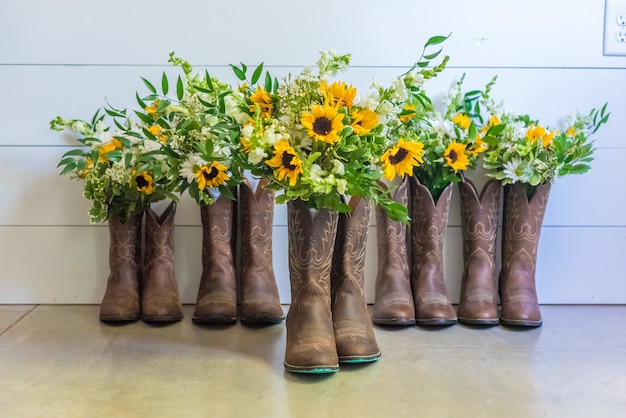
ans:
(66, 57)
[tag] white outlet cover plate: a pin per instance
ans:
(615, 27)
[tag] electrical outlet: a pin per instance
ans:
(615, 27)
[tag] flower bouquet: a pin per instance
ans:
(319, 146)
(124, 172)
(527, 158)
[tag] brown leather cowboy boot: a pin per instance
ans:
(428, 227)
(217, 293)
(310, 346)
(121, 297)
(260, 302)
(354, 334)
(393, 301)
(160, 298)
(521, 228)
(478, 302)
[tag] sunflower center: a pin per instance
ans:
(286, 160)
(142, 182)
(322, 126)
(399, 157)
(211, 173)
(452, 156)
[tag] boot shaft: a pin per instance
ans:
(311, 242)
(429, 219)
(159, 234)
(479, 218)
(257, 216)
(125, 242)
(392, 235)
(217, 233)
(522, 222)
(350, 246)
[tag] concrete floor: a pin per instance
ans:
(60, 361)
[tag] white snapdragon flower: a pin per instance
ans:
(342, 185)
(256, 155)
(414, 79)
(81, 127)
(317, 173)
(399, 91)
(247, 131)
(440, 125)
(231, 103)
(377, 84)
(338, 168)
(386, 108)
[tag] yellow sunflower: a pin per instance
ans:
(338, 94)
(212, 175)
(143, 181)
(455, 156)
(323, 123)
(462, 121)
(400, 159)
(408, 116)
(478, 146)
(363, 121)
(262, 99)
(286, 163)
(493, 121)
(104, 149)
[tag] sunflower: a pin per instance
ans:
(262, 99)
(400, 159)
(286, 163)
(212, 175)
(462, 121)
(493, 121)
(112, 145)
(478, 146)
(363, 121)
(323, 123)
(338, 94)
(144, 183)
(408, 113)
(455, 156)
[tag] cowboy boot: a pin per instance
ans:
(121, 297)
(393, 301)
(522, 220)
(217, 293)
(354, 334)
(160, 298)
(478, 302)
(428, 227)
(260, 302)
(310, 346)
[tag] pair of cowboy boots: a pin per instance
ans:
(218, 291)
(521, 228)
(411, 290)
(328, 320)
(136, 289)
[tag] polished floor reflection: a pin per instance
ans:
(60, 361)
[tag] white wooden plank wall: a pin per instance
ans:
(66, 57)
